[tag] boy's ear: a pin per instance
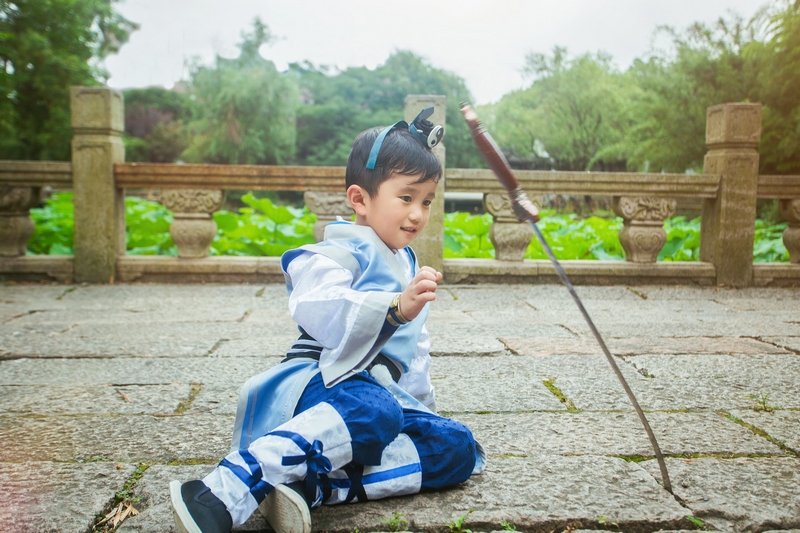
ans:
(357, 197)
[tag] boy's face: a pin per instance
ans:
(399, 211)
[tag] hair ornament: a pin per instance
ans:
(421, 128)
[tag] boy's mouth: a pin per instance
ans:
(409, 230)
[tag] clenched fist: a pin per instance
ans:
(420, 291)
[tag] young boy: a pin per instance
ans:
(349, 414)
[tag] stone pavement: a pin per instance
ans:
(125, 387)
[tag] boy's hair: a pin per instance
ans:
(400, 153)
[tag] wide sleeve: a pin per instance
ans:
(350, 325)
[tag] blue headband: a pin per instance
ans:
(421, 128)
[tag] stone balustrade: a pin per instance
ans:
(16, 226)
(193, 227)
(729, 187)
(642, 235)
(327, 206)
(790, 212)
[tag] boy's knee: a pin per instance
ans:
(446, 449)
(371, 413)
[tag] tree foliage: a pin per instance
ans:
(339, 106)
(46, 46)
(574, 115)
(156, 124)
(246, 108)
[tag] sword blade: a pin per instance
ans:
(650, 435)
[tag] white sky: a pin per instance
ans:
(483, 41)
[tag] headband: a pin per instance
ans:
(420, 128)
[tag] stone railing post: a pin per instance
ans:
(790, 211)
(643, 235)
(430, 244)
(16, 226)
(509, 236)
(327, 206)
(193, 228)
(728, 221)
(97, 123)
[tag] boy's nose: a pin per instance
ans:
(415, 215)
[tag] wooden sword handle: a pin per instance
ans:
(523, 207)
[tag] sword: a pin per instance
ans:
(526, 211)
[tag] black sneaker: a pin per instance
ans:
(197, 510)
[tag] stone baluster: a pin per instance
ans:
(728, 221)
(790, 211)
(643, 235)
(193, 228)
(98, 121)
(16, 226)
(327, 206)
(509, 236)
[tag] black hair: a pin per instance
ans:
(400, 153)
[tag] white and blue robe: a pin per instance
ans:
(328, 413)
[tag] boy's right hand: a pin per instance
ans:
(420, 291)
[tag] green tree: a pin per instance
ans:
(46, 46)
(574, 116)
(778, 88)
(339, 106)
(156, 124)
(701, 67)
(246, 108)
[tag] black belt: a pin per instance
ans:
(380, 359)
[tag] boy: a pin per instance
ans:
(349, 414)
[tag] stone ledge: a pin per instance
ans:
(38, 268)
(163, 269)
(776, 275)
(472, 271)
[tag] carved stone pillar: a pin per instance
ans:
(643, 234)
(509, 236)
(790, 211)
(727, 225)
(327, 206)
(16, 226)
(193, 228)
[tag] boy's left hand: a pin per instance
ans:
(419, 292)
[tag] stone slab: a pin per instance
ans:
(788, 343)
(98, 399)
(155, 511)
(275, 345)
(782, 425)
(535, 368)
(133, 370)
(744, 325)
(547, 493)
(130, 439)
(217, 399)
(157, 339)
(606, 393)
(42, 496)
(667, 293)
(506, 383)
(621, 434)
(642, 345)
(693, 382)
(70, 317)
(744, 494)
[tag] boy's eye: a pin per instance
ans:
(405, 198)
(427, 203)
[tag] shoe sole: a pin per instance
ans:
(183, 518)
(286, 511)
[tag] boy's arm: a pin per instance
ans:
(351, 325)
